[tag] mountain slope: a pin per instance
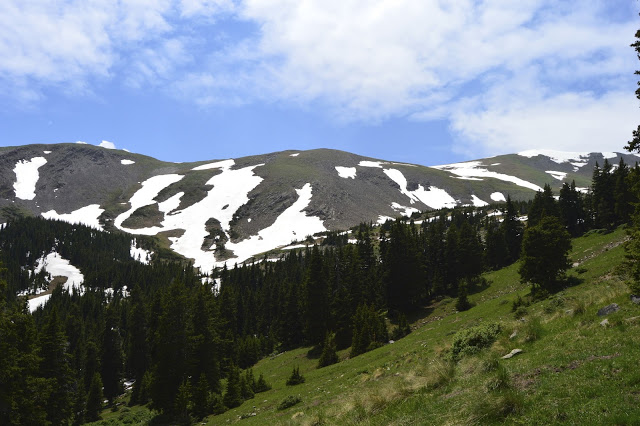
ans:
(230, 210)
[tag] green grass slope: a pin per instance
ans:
(572, 369)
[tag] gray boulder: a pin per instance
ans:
(609, 309)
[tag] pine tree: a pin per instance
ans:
(261, 385)
(233, 395)
(295, 378)
(200, 397)
(55, 366)
(317, 299)
(545, 249)
(543, 204)
(329, 354)
(94, 399)
(571, 208)
(462, 303)
(513, 231)
(634, 143)
(112, 356)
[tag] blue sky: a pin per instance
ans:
(422, 81)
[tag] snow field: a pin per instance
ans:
(27, 177)
(87, 215)
(474, 169)
(433, 197)
(230, 191)
(498, 196)
(292, 224)
(477, 202)
(346, 172)
(127, 162)
(57, 266)
(557, 175)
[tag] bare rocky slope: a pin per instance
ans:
(230, 210)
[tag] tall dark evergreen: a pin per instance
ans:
(571, 206)
(317, 299)
(55, 367)
(543, 204)
(112, 356)
(545, 250)
(513, 231)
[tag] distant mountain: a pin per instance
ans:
(231, 210)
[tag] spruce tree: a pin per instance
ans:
(94, 399)
(55, 366)
(233, 395)
(295, 378)
(329, 355)
(545, 250)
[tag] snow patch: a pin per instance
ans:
(376, 164)
(224, 164)
(107, 145)
(294, 246)
(27, 177)
(171, 203)
(498, 196)
(382, 219)
(81, 143)
(292, 224)
(433, 197)
(346, 172)
(557, 175)
(406, 211)
(57, 266)
(577, 159)
(88, 215)
(229, 192)
(475, 169)
(127, 162)
(140, 254)
(47, 152)
(294, 155)
(477, 202)
(144, 197)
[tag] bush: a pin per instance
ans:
(532, 330)
(289, 401)
(472, 340)
(296, 378)
(261, 385)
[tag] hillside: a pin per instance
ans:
(228, 211)
(573, 366)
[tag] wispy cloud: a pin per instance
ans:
(500, 71)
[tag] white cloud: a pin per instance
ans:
(363, 60)
(567, 121)
(107, 145)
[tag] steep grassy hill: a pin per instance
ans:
(574, 368)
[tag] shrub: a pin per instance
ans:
(261, 385)
(532, 330)
(296, 378)
(472, 340)
(289, 401)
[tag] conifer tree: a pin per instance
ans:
(233, 395)
(543, 204)
(94, 399)
(329, 355)
(261, 385)
(112, 356)
(200, 397)
(295, 378)
(545, 249)
(317, 299)
(513, 231)
(55, 367)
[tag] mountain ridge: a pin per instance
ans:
(229, 210)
